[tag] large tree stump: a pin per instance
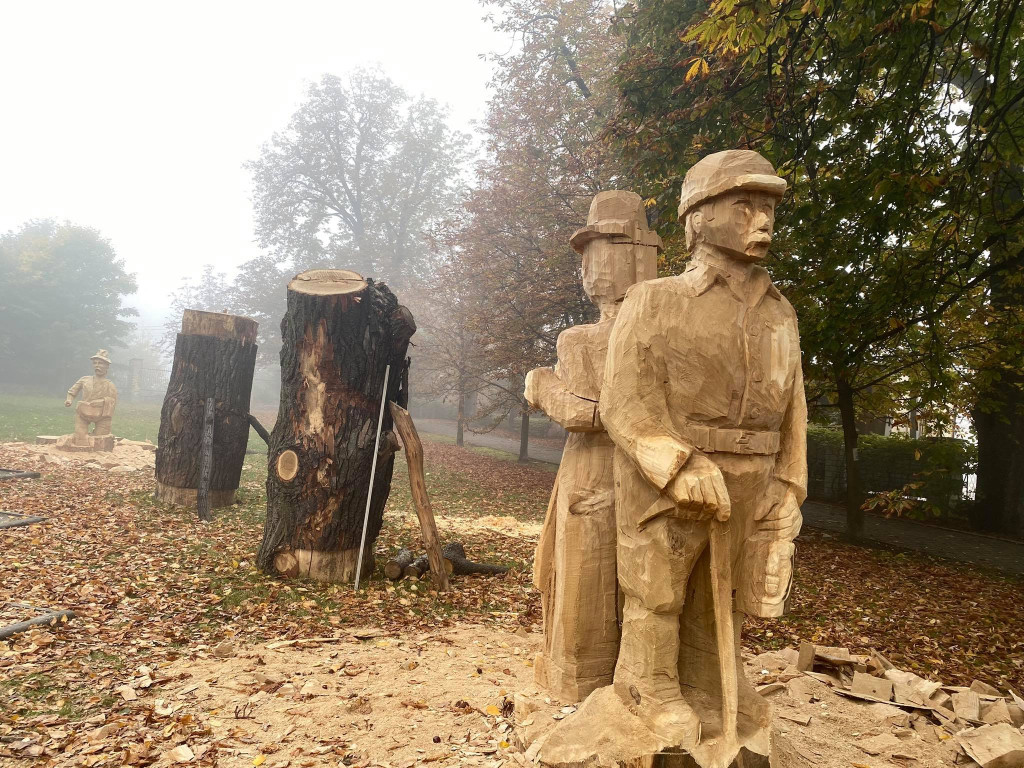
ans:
(214, 356)
(339, 334)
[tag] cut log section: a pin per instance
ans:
(338, 335)
(395, 567)
(214, 356)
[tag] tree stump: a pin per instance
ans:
(338, 335)
(214, 356)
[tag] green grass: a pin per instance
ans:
(22, 417)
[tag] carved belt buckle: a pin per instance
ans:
(743, 441)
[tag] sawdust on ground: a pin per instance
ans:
(127, 456)
(444, 699)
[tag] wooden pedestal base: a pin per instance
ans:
(604, 732)
(89, 443)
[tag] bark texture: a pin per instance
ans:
(214, 356)
(338, 335)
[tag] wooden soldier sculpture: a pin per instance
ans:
(703, 397)
(99, 398)
(575, 563)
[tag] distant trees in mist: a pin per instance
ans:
(62, 291)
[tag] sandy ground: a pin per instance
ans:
(127, 456)
(444, 699)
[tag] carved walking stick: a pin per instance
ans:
(721, 588)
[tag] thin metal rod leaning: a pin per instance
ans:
(373, 472)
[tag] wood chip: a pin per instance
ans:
(795, 717)
(868, 685)
(967, 706)
(993, 746)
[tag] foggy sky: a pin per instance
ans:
(135, 118)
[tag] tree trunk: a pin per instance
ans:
(524, 436)
(999, 494)
(459, 429)
(338, 335)
(214, 356)
(854, 490)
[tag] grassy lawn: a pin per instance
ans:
(22, 417)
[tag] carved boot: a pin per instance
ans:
(647, 676)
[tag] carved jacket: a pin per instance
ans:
(95, 388)
(702, 352)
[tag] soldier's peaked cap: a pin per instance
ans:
(616, 213)
(723, 172)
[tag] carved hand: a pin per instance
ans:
(779, 569)
(67, 402)
(535, 384)
(781, 516)
(699, 490)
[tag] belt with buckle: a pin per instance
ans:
(742, 441)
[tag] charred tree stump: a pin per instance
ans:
(338, 335)
(214, 357)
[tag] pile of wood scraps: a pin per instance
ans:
(985, 724)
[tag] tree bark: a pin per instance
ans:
(421, 499)
(214, 356)
(524, 435)
(999, 493)
(338, 335)
(396, 565)
(854, 489)
(455, 553)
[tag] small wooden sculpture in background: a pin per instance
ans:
(99, 398)
(575, 562)
(703, 397)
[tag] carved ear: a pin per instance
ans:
(694, 228)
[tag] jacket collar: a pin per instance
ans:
(704, 273)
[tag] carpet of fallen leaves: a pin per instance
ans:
(150, 584)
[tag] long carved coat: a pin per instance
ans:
(575, 561)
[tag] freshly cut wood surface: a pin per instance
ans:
(328, 282)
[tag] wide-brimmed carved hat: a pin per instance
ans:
(723, 172)
(102, 355)
(616, 213)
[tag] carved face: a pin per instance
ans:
(739, 223)
(607, 269)
(100, 367)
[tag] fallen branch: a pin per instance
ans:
(455, 553)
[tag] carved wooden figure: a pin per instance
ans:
(99, 398)
(703, 397)
(575, 562)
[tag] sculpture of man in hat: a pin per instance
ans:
(575, 562)
(99, 397)
(703, 397)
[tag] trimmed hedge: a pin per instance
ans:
(936, 467)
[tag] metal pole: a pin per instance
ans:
(373, 472)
